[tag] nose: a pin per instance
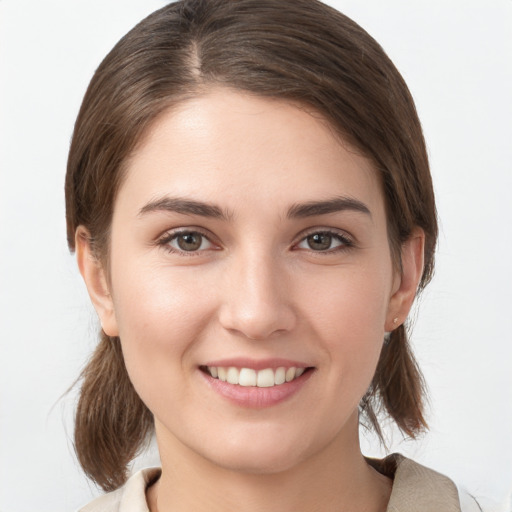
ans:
(256, 302)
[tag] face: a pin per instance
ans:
(250, 281)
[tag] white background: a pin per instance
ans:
(456, 57)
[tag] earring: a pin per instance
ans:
(395, 320)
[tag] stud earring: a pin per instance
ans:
(395, 320)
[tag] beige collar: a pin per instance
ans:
(415, 489)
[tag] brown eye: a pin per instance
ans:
(319, 241)
(189, 241)
(324, 241)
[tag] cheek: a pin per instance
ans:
(160, 315)
(161, 304)
(350, 303)
(348, 316)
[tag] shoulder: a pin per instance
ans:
(131, 497)
(417, 488)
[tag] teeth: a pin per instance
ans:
(290, 374)
(232, 375)
(280, 377)
(265, 378)
(248, 377)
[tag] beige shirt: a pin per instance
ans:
(415, 489)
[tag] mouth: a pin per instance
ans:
(249, 377)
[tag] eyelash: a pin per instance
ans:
(345, 241)
(168, 237)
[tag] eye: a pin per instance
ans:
(324, 241)
(186, 241)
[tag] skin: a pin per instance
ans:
(256, 288)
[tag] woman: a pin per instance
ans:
(249, 198)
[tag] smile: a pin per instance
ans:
(248, 377)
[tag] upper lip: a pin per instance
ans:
(257, 364)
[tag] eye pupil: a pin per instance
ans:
(189, 241)
(319, 241)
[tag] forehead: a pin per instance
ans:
(229, 145)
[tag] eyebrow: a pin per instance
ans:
(334, 205)
(298, 210)
(184, 206)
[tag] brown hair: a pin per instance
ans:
(297, 50)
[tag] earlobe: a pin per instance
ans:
(96, 282)
(412, 255)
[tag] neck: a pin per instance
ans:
(335, 479)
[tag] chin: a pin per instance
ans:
(257, 464)
(262, 455)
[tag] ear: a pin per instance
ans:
(95, 279)
(407, 281)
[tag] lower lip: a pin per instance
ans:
(254, 397)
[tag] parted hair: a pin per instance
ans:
(297, 50)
